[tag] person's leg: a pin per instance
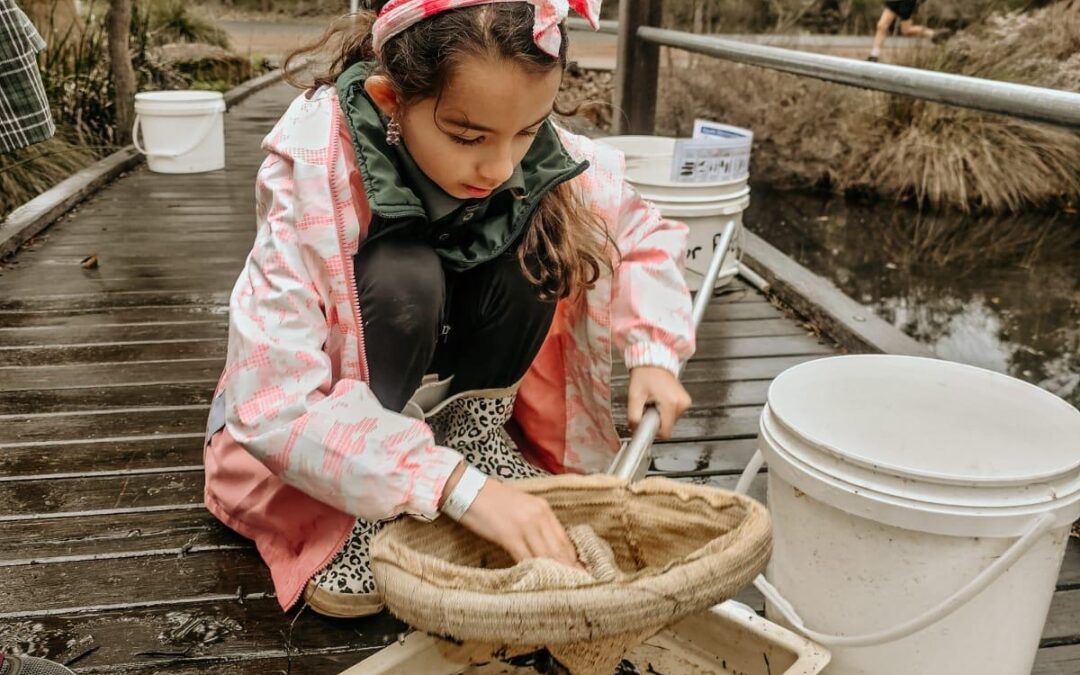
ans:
(496, 322)
(497, 325)
(401, 289)
(884, 24)
(909, 28)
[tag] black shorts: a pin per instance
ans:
(902, 8)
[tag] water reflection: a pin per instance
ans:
(1000, 293)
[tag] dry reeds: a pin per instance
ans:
(811, 134)
(943, 156)
(30, 171)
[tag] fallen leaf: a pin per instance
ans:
(90, 262)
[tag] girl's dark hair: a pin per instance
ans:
(569, 243)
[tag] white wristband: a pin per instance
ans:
(464, 493)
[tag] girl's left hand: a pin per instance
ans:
(660, 388)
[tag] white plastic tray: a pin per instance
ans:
(728, 640)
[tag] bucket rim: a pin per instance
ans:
(743, 179)
(179, 96)
(908, 513)
(690, 193)
(850, 457)
(719, 207)
(183, 102)
(983, 497)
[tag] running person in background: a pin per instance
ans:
(894, 9)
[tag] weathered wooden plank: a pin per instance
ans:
(735, 311)
(43, 259)
(115, 534)
(78, 303)
(725, 370)
(212, 635)
(168, 228)
(153, 395)
(23, 499)
(36, 590)
(60, 335)
(716, 424)
(790, 345)
(95, 316)
(72, 282)
(34, 216)
(709, 395)
(1070, 567)
(109, 211)
(138, 454)
(222, 217)
(748, 328)
(103, 374)
(188, 250)
(61, 431)
(736, 290)
(239, 234)
(117, 352)
(1063, 660)
(728, 456)
(1063, 621)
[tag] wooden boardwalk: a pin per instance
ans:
(107, 557)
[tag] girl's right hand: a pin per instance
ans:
(521, 523)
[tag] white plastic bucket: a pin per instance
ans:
(183, 131)
(706, 208)
(648, 158)
(920, 512)
(706, 222)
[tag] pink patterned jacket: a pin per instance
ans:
(306, 448)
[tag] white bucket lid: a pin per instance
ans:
(672, 192)
(179, 102)
(636, 147)
(925, 444)
(719, 207)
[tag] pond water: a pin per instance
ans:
(995, 292)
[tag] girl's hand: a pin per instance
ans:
(521, 523)
(661, 388)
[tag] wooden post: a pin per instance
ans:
(118, 24)
(637, 69)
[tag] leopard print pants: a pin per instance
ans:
(474, 425)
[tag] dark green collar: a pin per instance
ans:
(437, 203)
(406, 202)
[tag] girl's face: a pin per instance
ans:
(469, 141)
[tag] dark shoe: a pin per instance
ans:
(872, 58)
(30, 665)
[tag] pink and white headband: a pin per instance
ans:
(397, 15)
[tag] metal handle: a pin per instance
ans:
(208, 125)
(633, 458)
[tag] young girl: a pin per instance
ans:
(437, 282)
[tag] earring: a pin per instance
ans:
(393, 132)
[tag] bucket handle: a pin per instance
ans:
(207, 126)
(1038, 527)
